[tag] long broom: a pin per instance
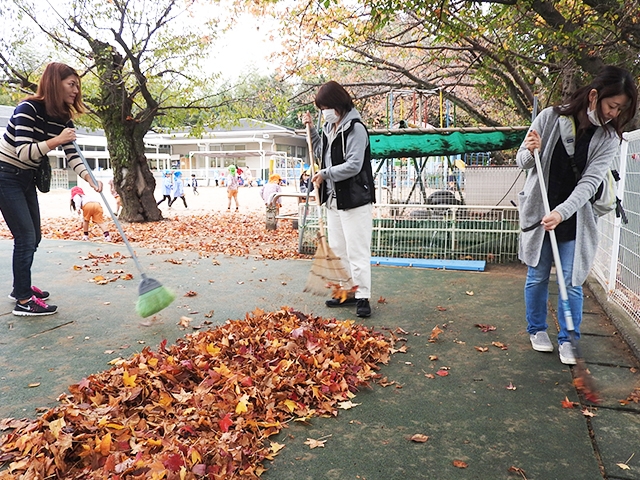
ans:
(327, 269)
(152, 295)
(582, 378)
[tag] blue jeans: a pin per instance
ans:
(21, 212)
(536, 291)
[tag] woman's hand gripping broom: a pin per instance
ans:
(327, 269)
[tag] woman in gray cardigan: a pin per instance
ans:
(600, 110)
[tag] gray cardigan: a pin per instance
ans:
(602, 149)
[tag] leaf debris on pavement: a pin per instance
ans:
(204, 406)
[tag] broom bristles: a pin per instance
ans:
(327, 268)
(153, 301)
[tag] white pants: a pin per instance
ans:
(349, 235)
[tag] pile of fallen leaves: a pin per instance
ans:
(237, 235)
(203, 408)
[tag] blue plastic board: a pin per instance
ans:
(472, 265)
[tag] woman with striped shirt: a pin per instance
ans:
(39, 124)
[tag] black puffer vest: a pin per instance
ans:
(355, 191)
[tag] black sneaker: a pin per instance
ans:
(34, 307)
(35, 291)
(363, 309)
(335, 302)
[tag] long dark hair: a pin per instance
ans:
(611, 81)
(333, 95)
(50, 92)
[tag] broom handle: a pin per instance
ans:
(554, 248)
(323, 239)
(113, 216)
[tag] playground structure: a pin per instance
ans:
(421, 214)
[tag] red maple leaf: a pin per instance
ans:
(225, 422)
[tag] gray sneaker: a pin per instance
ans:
(566, 353)
(540, 342)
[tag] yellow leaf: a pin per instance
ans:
(276, 447)
(213, 350)
(103, 445)
(195, 456)
(152, 362)
(129, 380)
(115, 426)
(241, 407)
(153, 442)
(56, 426)
(223, 370)
(291, 405)
(165, 399)
(623, 466)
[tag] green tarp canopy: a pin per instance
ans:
(414, 142)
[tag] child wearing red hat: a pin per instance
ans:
(91, 210)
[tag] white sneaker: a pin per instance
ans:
(85, 237)
(566, 353)
(107, 238)
(541, 342)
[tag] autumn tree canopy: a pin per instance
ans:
(492, 59)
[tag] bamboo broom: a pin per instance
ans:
(327, 269)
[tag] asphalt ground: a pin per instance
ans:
(468, 415)
(496, 414)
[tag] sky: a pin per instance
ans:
(246, 45)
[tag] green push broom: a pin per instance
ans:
(152, 295)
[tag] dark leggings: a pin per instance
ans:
(165, 197)
(171, 202)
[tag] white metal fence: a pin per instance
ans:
(617, 265)
(452, 232)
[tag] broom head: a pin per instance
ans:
(152, 297)
(327, 269)
(583, 381)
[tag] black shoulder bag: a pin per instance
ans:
(43, 175)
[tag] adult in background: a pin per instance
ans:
(39, 124)
(600, 111)
(345, 185)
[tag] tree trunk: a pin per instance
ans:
(133, 179)
(125, 133)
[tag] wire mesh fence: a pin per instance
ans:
(617, 265)
(455, 232)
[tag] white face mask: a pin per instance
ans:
(330, 115)
(593, 117)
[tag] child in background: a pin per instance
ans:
(194, 184)
(231, 181)
(178, 189)
(270, 189)
(91, 210)
(116, 196)
(166, 187)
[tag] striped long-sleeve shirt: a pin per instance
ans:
(25, 141)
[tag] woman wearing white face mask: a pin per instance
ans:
(600, 110)
(346, 187)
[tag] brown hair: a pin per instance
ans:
(333, 95)
(610, 82)
(50, 92)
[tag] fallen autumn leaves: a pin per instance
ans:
(204, 406)
(237, 235)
